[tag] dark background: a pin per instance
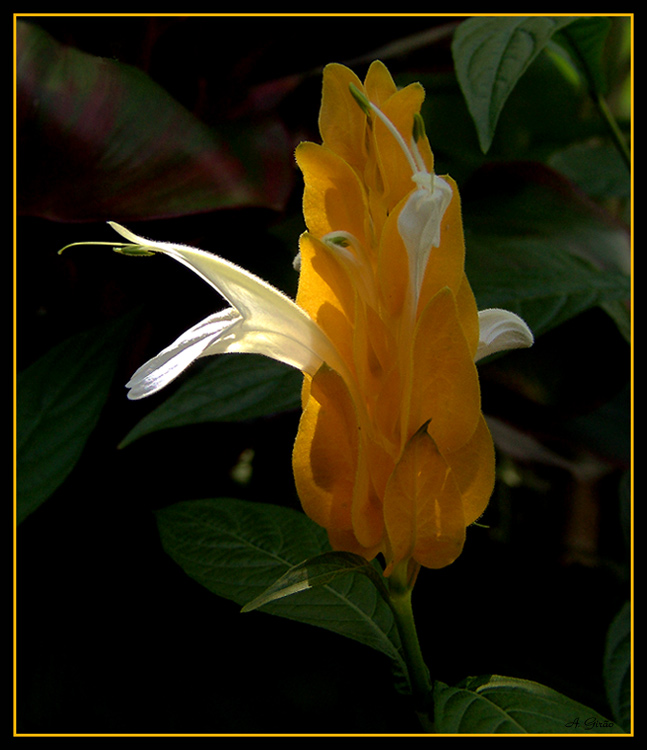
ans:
(112, 636)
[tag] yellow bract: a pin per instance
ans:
(393, 455)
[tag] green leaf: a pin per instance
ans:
(490, 55)
(99, 139)
(505, 705)
(230, 388)
(617, 666)
(620, 312)
(60, 398)
(536, 246)
(595, 167)
(317, 571)
(237, 549)
(584, 40)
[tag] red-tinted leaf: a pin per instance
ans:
(98, 139)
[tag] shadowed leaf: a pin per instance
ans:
(490, 55)
(317, 571)
(538, 247)
(98, 139)
(60, 397)
(237, 549)
(506, 705)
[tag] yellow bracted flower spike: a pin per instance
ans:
(393, 455)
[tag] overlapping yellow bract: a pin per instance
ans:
(393, 455)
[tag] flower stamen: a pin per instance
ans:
(420, 175)
(350, 251)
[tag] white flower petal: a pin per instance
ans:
(419, 224)
(272, 323)
(172, 361)
(275, 344)
(501, 330)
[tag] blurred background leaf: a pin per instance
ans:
(99, 139)
(540, 248)
(59, 400)
(234, 388)
(584, 40)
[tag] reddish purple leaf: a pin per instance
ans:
(98, 139)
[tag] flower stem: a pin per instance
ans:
(400, 589)
(614, 130)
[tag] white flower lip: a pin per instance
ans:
(501, 330)
(159, 371)
(261, 320)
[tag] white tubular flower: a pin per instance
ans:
(500, 330)
(261, 320)
(212, 332)
(419, 224)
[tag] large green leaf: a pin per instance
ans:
(506, 705)
(238, 549)
(59, 400)
(617, 666)
(490, 55)
(318, 571)
(230, 388)
(536, 246)
(98, 139)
